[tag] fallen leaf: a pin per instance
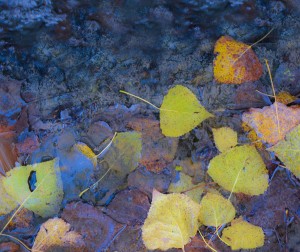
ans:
(158, 151)
(47, 194)
(285, 97)
(186, 186)
(171, 221)
(56, 233)
(265, 121)
(180, 112)
(87, 151)
(7, 204)
(129, 207)
(97, 229)
(225, 138)
(8, 155)
(240, 169)
(215, 210)
(124, 153)
(288, 151)
(243, 235)
(235, 62)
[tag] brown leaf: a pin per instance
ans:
(158, 151)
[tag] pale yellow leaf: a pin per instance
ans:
(55, 233)
(243, 235)
(172, 220)
(288, 151)
(45, 200)
(240, 169)
(181, 112)
(225, 138)
(215, 210)
(186, 186)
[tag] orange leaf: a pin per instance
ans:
(264, 121)
(236, 62)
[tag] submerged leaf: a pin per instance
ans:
(171, 221)
(55, 233)
(47, 194)
(225, 138)
(240, 169)
(87, 151)
(243, 235)
(125, 152)
(266, 124)
(180, 112)
(235, 62)
(288, 151)
(215, 210)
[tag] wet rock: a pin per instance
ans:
(129, 207)
(129, 239)
(97, 229)
(97, 133)
(146, 181)
(10, 103)
(27, 143)
(17, 15)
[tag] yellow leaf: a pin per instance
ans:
(225, 138)
(215, 210)
(243, 235)
(180, 112)
(285, 97)
(288, 151)
(186, 186)
(240, 169)
(55, 233)
(87, 151)
(235, 62)
(7, 204)
(45, 200)
(172, 220)
(125, 152)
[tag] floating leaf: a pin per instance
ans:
(215, 210)
(180, 112)
(47, 196)
(87, 151)
(240, 169)
(55, 233)
(243, 235)
(171, 221)
(288, 151)
(185, 185)
(225, 138)
(235, 62)
(125, 152)
(270, 127)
